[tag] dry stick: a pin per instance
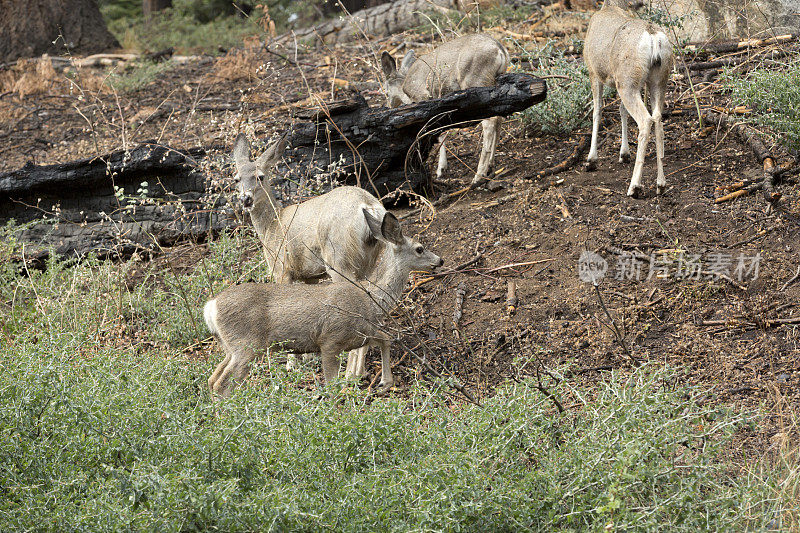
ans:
(794, 278)
(461, 290)
(514, 265)
(567, 163)
(617, 332)
(741, 46)
(544, 390)
(511, 298)
(455, 383)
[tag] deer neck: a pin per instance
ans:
(264, 212)
(390, 279)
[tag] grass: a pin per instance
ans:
(773, 93)
(137, 74)
(105, 425)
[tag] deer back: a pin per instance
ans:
(620, 48)
(326, 231)
(470, 61)
(298, 317)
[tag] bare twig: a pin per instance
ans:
(792, 280)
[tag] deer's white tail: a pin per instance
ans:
(210, 315)
(654, 49)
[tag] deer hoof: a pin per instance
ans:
(635, 191)
(590, 165)
(625, 158)
(384, 387)
(660, 189)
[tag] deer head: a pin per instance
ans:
(249, 174)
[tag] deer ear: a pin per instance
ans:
(272, 155)
(241, 151)
(391, 230)
(408, 60)
(388, 64)
(373, 223)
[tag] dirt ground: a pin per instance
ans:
(720, 333)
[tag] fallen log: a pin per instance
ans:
(735, 46)
(384, 150)
(111, 205)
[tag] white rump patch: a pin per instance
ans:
(210, 315)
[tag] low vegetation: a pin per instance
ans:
(773, 94)
(105, 424)
(568, 92)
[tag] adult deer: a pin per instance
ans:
(328, 318)
(470, 61)
(326, 235)
(630, 54)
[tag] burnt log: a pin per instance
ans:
(384, 150)
(111, 205)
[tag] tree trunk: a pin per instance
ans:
(151, 6)
(29, 29)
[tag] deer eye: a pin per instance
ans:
(419, 250)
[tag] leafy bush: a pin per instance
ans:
(106, 425)
(774, 96)
(564, 109)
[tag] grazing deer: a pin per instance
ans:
(328, 318)
(470, 61)
(303, 242)
(630, 54)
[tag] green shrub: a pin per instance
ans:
(136, 75)
(774, 95)
(105, 425)
(564, 109)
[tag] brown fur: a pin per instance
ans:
(251, 318)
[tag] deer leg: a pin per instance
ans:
(330, 363)
(490, 127)
(235, 371)
(217, 371)
(597, 110)
(632, 98)
(624, 149)
(657, 98)
(442, 166)
(355, 362)
(387, 379)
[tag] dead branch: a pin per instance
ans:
(736, 46)
(792, 280)
(511, 298)
(567, 163)
(461, 290)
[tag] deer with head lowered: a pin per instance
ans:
(324, 236)
(470, 61)
(630, 54)
(328, 318)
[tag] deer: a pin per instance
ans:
(630, 54)
(325, 236)
(328, 318)
(470, 61)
